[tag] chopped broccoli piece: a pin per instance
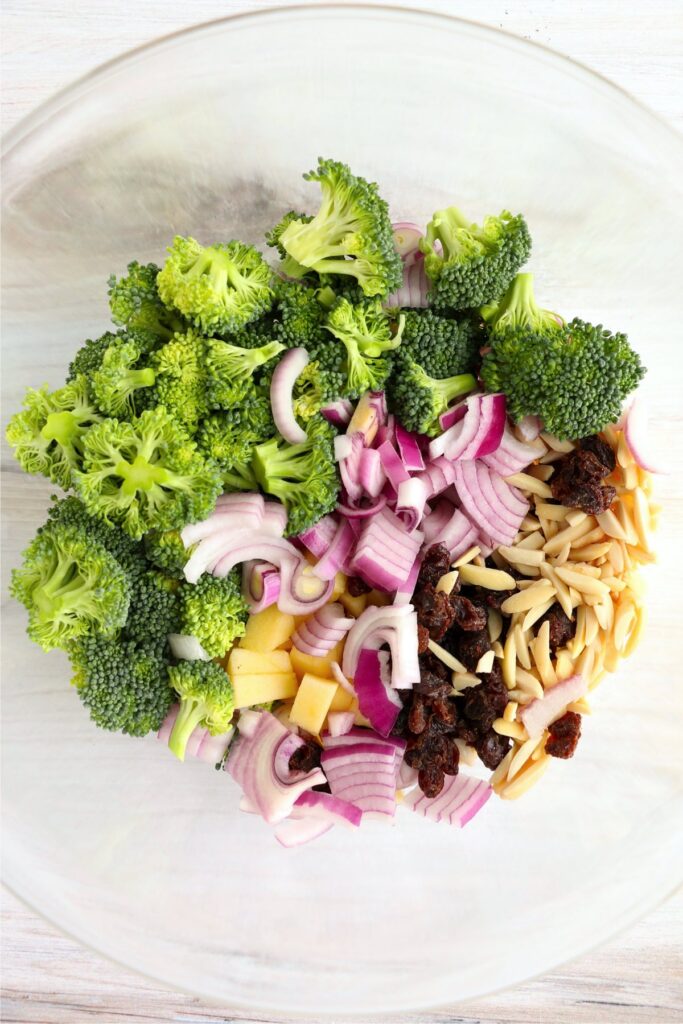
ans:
(135, 304)
(365, 331)
(475, 264)
(125, 687)
(219, 288)
(350, 235)
(443, 347)
(228, 437)
(575, 377)
(116, 383)
(303, 476)
(231, 369)
(288, 266)
(239, 477)
(300, 316)
(71, 586)
(180, 367)
(146, 474)
(206, 699)
(48, 435)
(71, 511)
(154, 610)
(165, 550)
(91, 353)
(418, 399)
(518, 308)
(214, 611)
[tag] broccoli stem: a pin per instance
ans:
(140, 475)
(190, 714)
(452, 387)
(62, 427)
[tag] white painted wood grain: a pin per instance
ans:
(47, 978)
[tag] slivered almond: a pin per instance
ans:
(490, 579)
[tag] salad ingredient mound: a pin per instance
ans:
(361, 527)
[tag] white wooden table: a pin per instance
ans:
(48, 979)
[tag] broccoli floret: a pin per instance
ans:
(350, 235)
(231, 369)
(206, 699)
(219, 288)
(125, 687)
(165, 550)
(303, 476)
(518, 308)
(154, 610)
(71, 586)
(181, 384)
(135, 304)
(214, 611)
(116, 384)
(443, 347)
(71, 511)
(288, 266)
(255, 334)
(239, 477)
(47, 436)
(575, 377)
(418, 399)
(300, 316)
(475, 264)
(366, 334)
(228, 437)
(310, 392)
(91, 353)
(146, 474)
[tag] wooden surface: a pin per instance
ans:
(47, 978)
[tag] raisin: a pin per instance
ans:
(422, 639)
(492, 748)
(466, 731)
(469, 647)
(430, 663)
(564, 735)
(479, 709)
(356, 586)
(453, 764)
(562, 628)
(430, 780)
(305, 758)
(576, 482)
(602, 451)
(434, 611)
(444, 711)
(468, 616)
(401, 724)
(417, 717)
(435, 564)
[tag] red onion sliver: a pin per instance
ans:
(539, 713)
(337, 552)
(340, 722)
(318, 538)
(338, 413)
(281, 394)
(407, 237)
(635, 432)
(409, 449)
(371, 473)
(460, 799)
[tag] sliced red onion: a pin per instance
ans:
(290, 832)
(343, 447)
(318, 538)
(407, 776)
(482, 504)
(437, 476)
(407, 237)
(386, 432)
(187, 648)
(251, 763)
(243, 512)
(281, 394)
(364, 774)
(351, 512)
(361, 734)
(395, 625)
(413, 292)
(370, 561)
(349, 468)
(634, 425)
(340, 722)
(434, 524)
(337, 552)
(528, 428)
(477, 434)
(453, 415)
(371, 474)
(338, 413)
(274, 518)
(393, 465)
(460, 799)
(458, 535)
(539, 713)
(323, 632)
(260, 585)
(302, 591)
(377, 700)
(512, 455)
(409, 449)
(404, 594)
(314, 804)
(410, 502)
(223, 551)
(345, 683)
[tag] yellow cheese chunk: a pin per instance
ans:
(354, 605)
(312, 703)
(303, 663)
(268, 629)
(262, 688)
(248, 662)
(342, 701)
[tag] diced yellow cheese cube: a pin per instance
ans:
(268, 629)
(303, 663)
(262, 688)
(312, 703)
(248, 662)
(354, 605)
(342, 701)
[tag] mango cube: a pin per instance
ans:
(354, 606)
(303, 663)
(312, 703)
(249, 662)
(267, 630)
(262, 688)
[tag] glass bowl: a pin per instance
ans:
(208, 132)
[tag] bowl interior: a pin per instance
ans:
(208, 133)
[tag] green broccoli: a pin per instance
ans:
(116, 384)
(219, 288)
(365, 331)
(230, 370)
(214, 611)
(288, 266)
(575, 377)
(206, 699)
(135, 304)
(418, 399)
(125, 687)
(239, 477)
(146, 474)
(228, 437)
(300, 316)
(71, 586)
(154, 610)
(71, 511)
(91, 353)
(350, 235)
(165, 550)
(474, 264)
(303, 476)
(518, 308)
(443, 347)
(180, 368)
(48, 435)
